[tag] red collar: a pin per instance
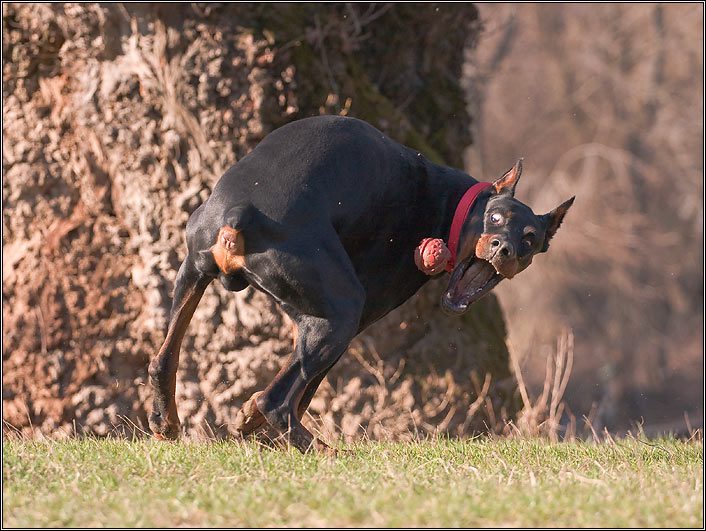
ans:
(462, 211)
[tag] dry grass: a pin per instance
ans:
(542, 416)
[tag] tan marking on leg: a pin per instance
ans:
(168, 427)
(229, 250)
(249, 419)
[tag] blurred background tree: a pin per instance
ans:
(605, 102)
(120, 118)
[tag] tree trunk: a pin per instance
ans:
(118, 121)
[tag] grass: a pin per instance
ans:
(508, 482)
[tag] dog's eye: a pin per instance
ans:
(496, 218)
(528, 241)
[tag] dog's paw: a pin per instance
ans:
(163, 429)
(249, 419)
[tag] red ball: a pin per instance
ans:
(431, 256)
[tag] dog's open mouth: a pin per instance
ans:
(469, 282)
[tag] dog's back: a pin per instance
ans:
(325, 166)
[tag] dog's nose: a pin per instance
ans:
(504, 249)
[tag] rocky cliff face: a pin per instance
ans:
(119, 119)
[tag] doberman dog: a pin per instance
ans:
(340, 225)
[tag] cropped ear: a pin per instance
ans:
(553, 221)
(506, 184)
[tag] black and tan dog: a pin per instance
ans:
(340, 225)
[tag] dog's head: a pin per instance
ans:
(498, 242)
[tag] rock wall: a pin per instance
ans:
(118, 121)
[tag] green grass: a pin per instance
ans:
(432, 483)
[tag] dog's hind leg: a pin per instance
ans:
(189, 287)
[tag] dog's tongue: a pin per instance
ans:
(474, 279)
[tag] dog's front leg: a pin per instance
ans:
(317, 285)
(249, 419)
(320, 344)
